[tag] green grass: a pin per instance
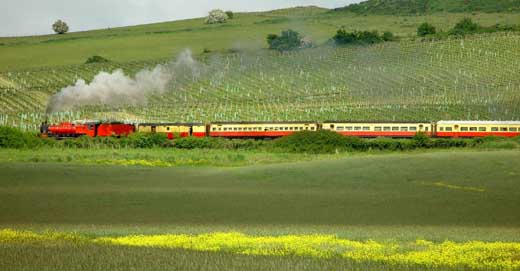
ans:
(389, 190)
(160, 157)
(458, 196)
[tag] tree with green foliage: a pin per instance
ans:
(426, 29)
(60, 27)
(288, 40)
(230, 14)
(465, 26)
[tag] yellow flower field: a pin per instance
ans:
(474, 254)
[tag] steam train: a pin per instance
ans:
(442, 129)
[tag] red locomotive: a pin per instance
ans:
(91, 128)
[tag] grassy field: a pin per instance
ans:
(246, 30)
(400, 201)
(472, 78)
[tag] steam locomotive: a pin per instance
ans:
(446, 129)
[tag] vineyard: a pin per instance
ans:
(475, 78)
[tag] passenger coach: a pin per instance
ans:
(379, 129)
(478, 128)
(259, 129)
(173, 130)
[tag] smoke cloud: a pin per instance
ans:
(117, 89)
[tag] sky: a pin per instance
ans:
(35, 17)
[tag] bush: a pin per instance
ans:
(60, 27)
(465, 26)
(388, 36)
(426, 29)
(230, 14)
(96, 59)
(14, 138)
(288, 40)
(216, 16)
(145, 140)
(322, 141)
(343, 37)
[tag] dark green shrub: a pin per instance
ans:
(96, 59)
(192, 143)
(322, 141)
(14, 138)
(343, 37)
(288, 40)
(230, 14)
(465, 26)
(426, 29)
(388, 36)
(145, 140)
(421, 140)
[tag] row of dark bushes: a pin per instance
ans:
(301, 142)
(465, 26)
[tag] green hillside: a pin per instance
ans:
(471, 78)
(403, 7)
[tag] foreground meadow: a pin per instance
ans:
(430, 211)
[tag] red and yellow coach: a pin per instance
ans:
(259, 129)
(379, 129)
(477, 128)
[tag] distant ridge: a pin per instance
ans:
(402, 7)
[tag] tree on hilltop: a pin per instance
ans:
(216, 16)
(60, 27)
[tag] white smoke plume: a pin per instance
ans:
(117, 89)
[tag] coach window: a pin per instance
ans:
(513, 129)
(463, 129)
(395, 128)
(404, 129)
(214, 129)
(473, 129)
(348, 128)
(441, 129)
(481, 129)
(167, 128)
(357, 128)
(387, 128)
(340, 128)
(449, 129)
(494, 129)
(503, 129)
(378, 129)
(426, 129)
(413, 129)
(366, 128)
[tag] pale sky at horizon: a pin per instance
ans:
(35, 17)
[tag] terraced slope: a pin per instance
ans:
(473, 78)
